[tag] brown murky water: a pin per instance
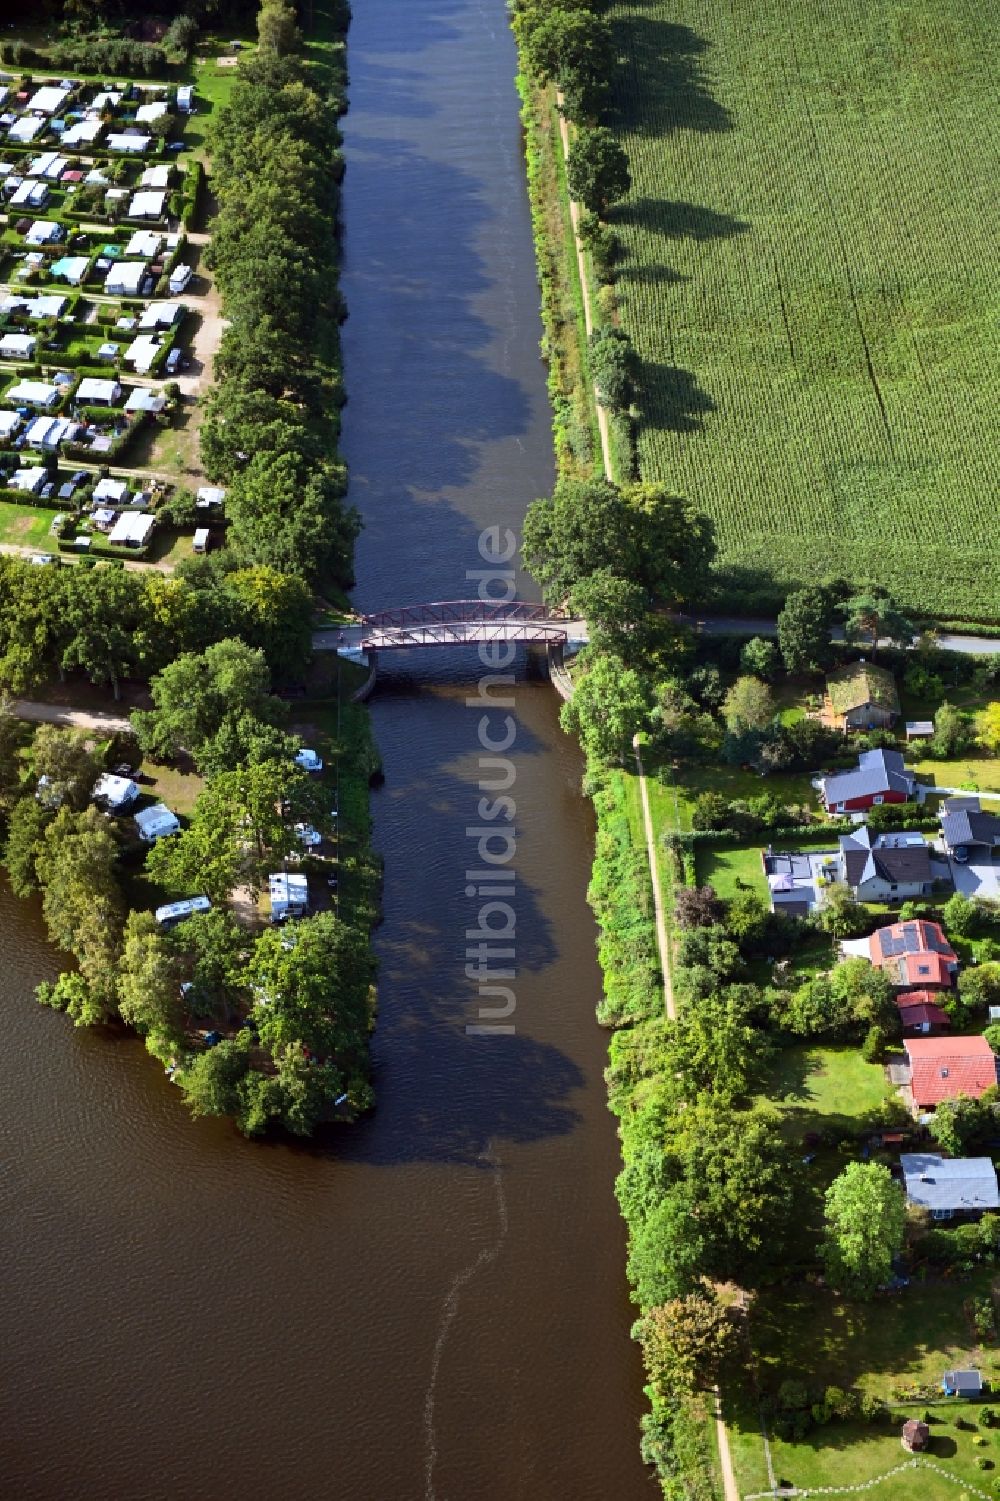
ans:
(432, 1306)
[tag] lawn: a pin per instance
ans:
(26, 526)
(823, 1086)
(809, 274)
(728, 867)
(971, 774)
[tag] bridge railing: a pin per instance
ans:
(461, 612)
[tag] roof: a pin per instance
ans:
(127, 275)
(110, 489)
(913, 954)
(157, 820)
(39, 392)
(48, 99)
(970, 826)
(91, 389)
(952, 1183)
(878, 771)
(161, 314)
(861, 683)
(941, 1068)
(899, 859)
(964, 1381)
(917, 1007)
(115, 790)
(127, 142)
(132, 529)
(288, 890)
(144, 400)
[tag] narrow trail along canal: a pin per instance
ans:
(431, 1305)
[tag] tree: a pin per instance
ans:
(614, 366)
(149, 981)
(25, 834)
(686, 1340)
(963, 1123)
(211, 950)
(760, 658)
(960, 914)
(804, 630)
(81, 899)
(211, 1080)
(314, 989)
(951, 731)
(72, 994)
(610, 706)
(102, 612)
(841, 915)
(865, 1223)
(667, 1249)
(597, 170)
(197, 693)
(979, 986)
(870, 616)
(277, 29)
(863, 994)
(675, 543)
(988, 728)
(13, 735)
(572, 47)
(69, 764)
(748, 705)
(615, 610)
(584, 527)
(696, 906)
(714, 1048)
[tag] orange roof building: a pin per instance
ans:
(942, 1068)
(914, 955)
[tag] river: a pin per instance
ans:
(432, 1304)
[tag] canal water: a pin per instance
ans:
(431, 1305)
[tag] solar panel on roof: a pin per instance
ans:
(911, 939)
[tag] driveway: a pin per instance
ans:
(977, 880)
(78, 719)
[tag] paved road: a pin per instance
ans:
(746, 625)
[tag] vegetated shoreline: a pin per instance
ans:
(676, 1435)
(271, 1030)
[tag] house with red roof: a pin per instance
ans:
(915, 955)
(919, 1011)
(942, 1068)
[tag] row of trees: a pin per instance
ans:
(271, 424)
(111, 623)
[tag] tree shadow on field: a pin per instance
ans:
(672, 399)
(678, 221)
(673, 88)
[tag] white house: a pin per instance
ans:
(147, 113)
(142, 352)
(71, 268)
(50, 164)
(131, 143)
(102, 393)
(147, 205)
(83, 133)
(144, 243)
(105, 100)
(209, 496)
(9, 424)
(199, 542)
(289, 896)
(25, 128)
(31, 195)
(161, 315)
(37, 393)
(185, 102)
(17, 346)
(144, 400)
(44, 232)
(115, 792)
(895, 866)
(125, 278)
(132, 529)
(156, 177)
(33, 307)
(156, 823)
(29, 480)
(49, 432)
(110, 491)
(48, 100)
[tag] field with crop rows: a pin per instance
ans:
(811, 275)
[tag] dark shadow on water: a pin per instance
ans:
(678, 220)
(672, 399)
(675, 91)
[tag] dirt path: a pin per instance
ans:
(78, 719)
(134, 565)
(662, 941)
(574, 213)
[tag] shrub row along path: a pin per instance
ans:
(663, 943)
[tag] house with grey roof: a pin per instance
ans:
(969, 833)
(885, 867)
(796, 878)
(881, 777)
(950, 1185)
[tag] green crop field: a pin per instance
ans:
(810, 275)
